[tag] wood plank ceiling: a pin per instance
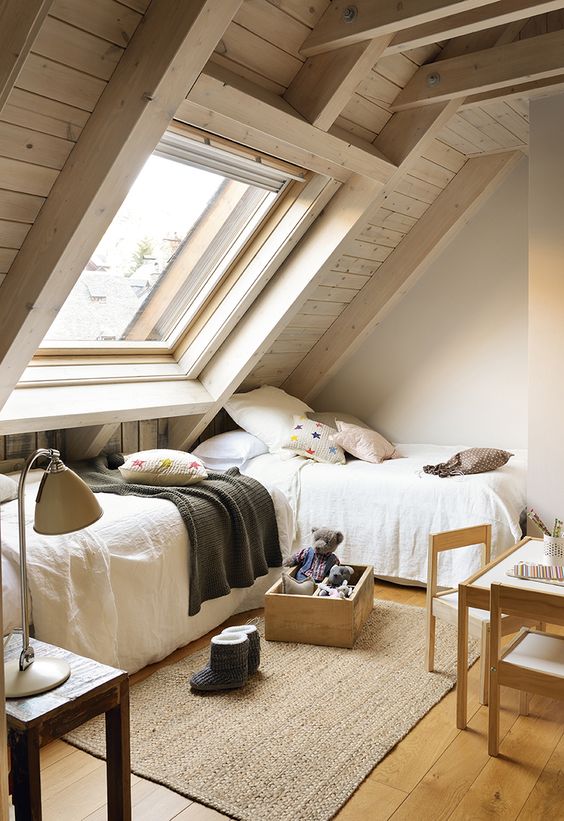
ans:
(80, 44)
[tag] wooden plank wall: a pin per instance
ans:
(128, 438)
(74, 56)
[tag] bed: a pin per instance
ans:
(118, 591)
(388, 510)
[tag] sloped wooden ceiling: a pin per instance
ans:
(273, 80)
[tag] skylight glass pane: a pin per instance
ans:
(169, 245)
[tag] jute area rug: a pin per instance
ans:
(299, 738)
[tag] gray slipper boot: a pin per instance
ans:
(228, 666)
(252, 633)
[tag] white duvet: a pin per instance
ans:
(118, 591)
(387, 511)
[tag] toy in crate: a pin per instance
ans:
(319, 601)
(316, 561)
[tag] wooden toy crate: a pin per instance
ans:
(320, 619)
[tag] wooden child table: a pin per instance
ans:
(475, 592)
(92, 689)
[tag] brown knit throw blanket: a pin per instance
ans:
(230, 521)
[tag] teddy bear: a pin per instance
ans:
(339, 575)
(316, 561)
(337, 586)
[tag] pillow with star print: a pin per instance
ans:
(163, 468)
(313, 440)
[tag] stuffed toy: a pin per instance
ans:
(316, 561)
(340, 574)
(337, 586)
(295, 588)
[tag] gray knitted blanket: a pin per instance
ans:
(230, 521)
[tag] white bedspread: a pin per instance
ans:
(387, 511)
(118, 591)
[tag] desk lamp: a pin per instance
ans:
(64, 504)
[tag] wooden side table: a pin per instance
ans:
(92, 689)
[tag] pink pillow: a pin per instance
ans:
(363, 443)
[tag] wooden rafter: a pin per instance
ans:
(326, 82)
(87, 442)
(163, 59)
(406, 135)
(479, 72)
(345, 23)
(457, 25)
(233, 128)
(550, 85)
(260, 111)
(19, 26)
(477, 179)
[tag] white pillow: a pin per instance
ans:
(164, 468)
(266, 413)
(231, 449)
(8, 489)
(314, 440)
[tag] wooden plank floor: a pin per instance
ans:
(435, 773)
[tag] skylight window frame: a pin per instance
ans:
(287, 174)
(72, 363)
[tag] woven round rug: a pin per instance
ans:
(304, 732)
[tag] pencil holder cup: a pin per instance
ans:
(554, 550)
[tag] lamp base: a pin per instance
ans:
(45, 673)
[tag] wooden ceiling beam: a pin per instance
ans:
(480, 72)
(551, 85)
(344, 23)
(19, 26)
(325, 83)
(233, 128)
(468, 22)
(220, 90)
(163, 59)
(477, 179)
(407, 134)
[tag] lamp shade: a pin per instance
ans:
(64, 503)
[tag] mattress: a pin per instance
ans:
(118, 591)
(387, 511)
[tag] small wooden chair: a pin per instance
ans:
(444, 605)
(533, 662)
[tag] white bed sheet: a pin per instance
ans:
(118, 591)
(387, 511)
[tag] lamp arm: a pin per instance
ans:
(27, 654)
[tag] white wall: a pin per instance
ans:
(449, 364)
(546, 308)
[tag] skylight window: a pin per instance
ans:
(190, 212)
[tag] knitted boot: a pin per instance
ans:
(254, 643)
(228, 666)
